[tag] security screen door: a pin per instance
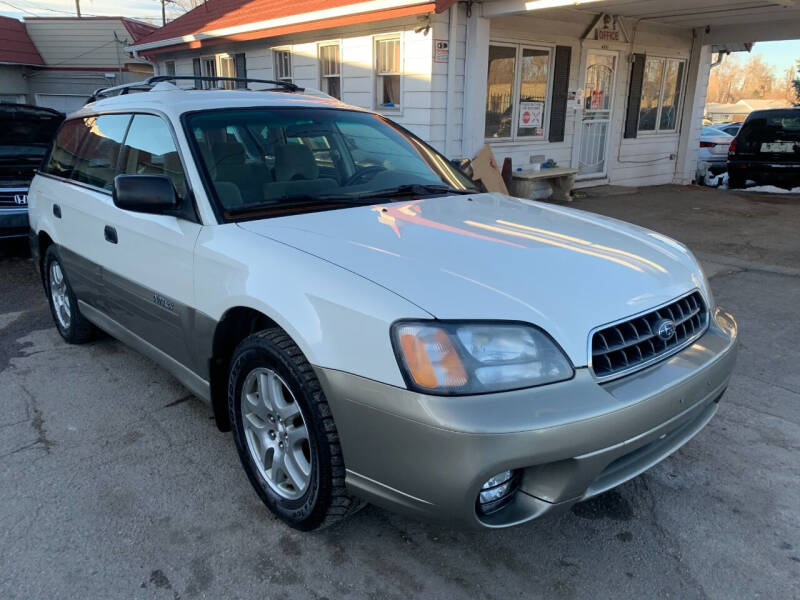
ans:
(598, 102)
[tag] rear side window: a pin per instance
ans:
(64, 155)
(150, 150)
(97, 165)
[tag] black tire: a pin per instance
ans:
(736, 181)
(326, 500)
(77, 330)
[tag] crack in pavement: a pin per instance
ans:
(37, 423)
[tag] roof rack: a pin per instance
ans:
(148, 84)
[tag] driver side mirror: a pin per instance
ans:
(463, 164)
(152, 194)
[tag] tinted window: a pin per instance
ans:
(271, 159)
(64, 155)
(98, 158)
(769, 126)
(150, 150)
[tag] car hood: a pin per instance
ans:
(490, 256)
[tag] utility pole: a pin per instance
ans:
(78, 8)
(163, 12)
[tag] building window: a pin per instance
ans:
(661, 94)
(330, 73)
(388, 69)
(283, 65)
(169, 68)
(226, 67)
(208, 66)
(518, 91)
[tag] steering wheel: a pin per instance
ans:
(363, 175)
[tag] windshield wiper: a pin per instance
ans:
(414, 189)
(291, 202)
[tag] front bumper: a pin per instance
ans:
(13, 223)
(429, 455)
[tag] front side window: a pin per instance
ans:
(150, 150)
(67, 145)
(388, 70)
(330, 70)
(518, 91)
(283, 65)
(269, 162)
(97, 164)
(661, 94)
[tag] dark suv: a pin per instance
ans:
(767, 149)
(25, 134)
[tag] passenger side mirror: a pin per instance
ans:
(153, 194)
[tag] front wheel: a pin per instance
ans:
(285, 434)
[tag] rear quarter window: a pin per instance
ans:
(97, 164)
(64, 155)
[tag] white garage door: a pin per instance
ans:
(65, 103)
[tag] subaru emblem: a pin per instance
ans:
(665, 329)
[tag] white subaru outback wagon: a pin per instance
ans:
(370, 324)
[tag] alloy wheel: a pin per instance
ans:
(58, 292)
(276, 433)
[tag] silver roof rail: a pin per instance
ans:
(148, 84)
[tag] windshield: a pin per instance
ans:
(273, 161)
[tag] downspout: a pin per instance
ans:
(451, 79)
(720, 56)
(136, 56)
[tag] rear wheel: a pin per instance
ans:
(736, 180)
(71, 324)
(285, 434)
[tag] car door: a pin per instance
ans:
(149, 277)
(83, 163)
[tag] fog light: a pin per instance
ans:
(497, 491)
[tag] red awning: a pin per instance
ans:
(443, 5)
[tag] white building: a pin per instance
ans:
(613, 88)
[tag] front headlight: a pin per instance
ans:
(457, 357)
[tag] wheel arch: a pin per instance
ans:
(235, 325)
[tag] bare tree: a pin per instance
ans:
(734, 80)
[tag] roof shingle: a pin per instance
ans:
(15, 45)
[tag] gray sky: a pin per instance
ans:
(779, 54)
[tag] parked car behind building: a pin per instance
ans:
(767, 149)
(712, 157)
(25, 134)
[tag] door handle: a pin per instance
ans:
(56, 211)
(110, 234)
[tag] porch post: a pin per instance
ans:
(694, 106)
(475, 75)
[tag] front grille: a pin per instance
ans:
(630, 345)
(10, 197)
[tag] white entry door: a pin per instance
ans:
(598, 102)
